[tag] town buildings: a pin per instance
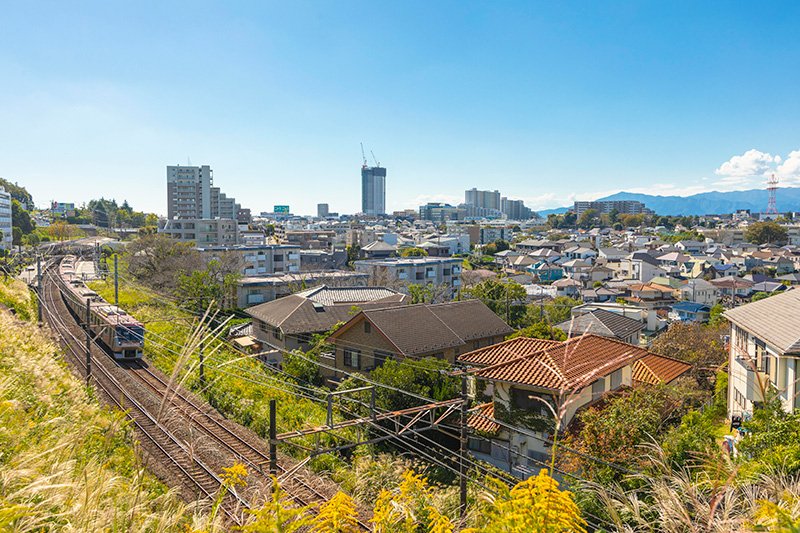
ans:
(623, 207)
(198, 211)
(6, 224)
(375, 335)
(441, 273)
(483, 199)
(289, 323)
(373, 190)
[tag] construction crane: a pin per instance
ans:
(373, 158)
(363, 157)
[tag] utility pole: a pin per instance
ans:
(88, 343)
(116, 281)
(202, 372)
(273, 439)
(39, 291)
(462, 467)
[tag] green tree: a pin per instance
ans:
(558, 310)
(766, 232)
(540, 330)
(506, 298)
(17, 192)
(22, 219)
(413, 252)
(429, 377)
(715, 317)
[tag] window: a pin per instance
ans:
(528, 400)
(480, 445)
(367, 327)
(598, 388)
(378, 358)
(352, 358)
(616, 379)
(446, 272)
(278, 258)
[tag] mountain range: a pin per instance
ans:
(707, 203)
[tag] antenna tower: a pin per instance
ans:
(772, 189)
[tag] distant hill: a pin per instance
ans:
(708, 203)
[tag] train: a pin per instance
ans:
(121, 333)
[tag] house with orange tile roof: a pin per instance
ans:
(533, 382)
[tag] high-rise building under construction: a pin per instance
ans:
(373, 190)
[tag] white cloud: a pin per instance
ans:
(749, 164)
(789, 171)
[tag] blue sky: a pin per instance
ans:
(545, 101)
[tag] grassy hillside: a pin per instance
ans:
(65, 461)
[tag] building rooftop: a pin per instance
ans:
(603, 323)
(570, 365)
(506, 351)
(655, 369)
(776, 320)
(424, 328)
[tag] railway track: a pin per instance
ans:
(248, 453)
(195, 475)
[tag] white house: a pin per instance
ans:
(764, 352)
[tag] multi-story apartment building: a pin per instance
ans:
(197, 204)
(515, 209)
(623, 207)
(6, 224)
(258, 260)
(403, 271)
(254, 290)
(322, 210)
(764, 353)
(203, 232)
(306, 238)
(484, 199)
(373, 190)
(439, 212)
(189, 192)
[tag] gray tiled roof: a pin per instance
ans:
(349, 295)
(602, 322)
(776, 320)
(296, 314)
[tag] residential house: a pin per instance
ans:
(544, 271)
(560, 378)
(654, 369)
(606, 324)
(288, 323)
(377, 250)
(690, 312)
(700, 291)
(733, 287)
(567, 287)
(444, 331)
(764, 352)
(691, 247)
(641, 266)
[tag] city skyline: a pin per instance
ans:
(550, 103)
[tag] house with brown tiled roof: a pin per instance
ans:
(289, 322)
(529, 380)
(654, 369)
(444, 331)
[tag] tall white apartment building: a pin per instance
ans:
(6, 224)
